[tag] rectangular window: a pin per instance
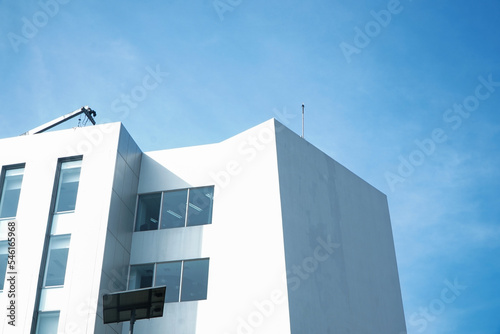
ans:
(148, 212)
(10, 189)
(67, 189)
(185, 280)
(200, 206)
(57, 260)
(169, 274)
(175, 208)
(47, 322)
(194, 280)
(3, 262)
(141, 276)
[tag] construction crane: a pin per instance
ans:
(49, 125)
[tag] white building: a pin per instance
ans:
(261, 233)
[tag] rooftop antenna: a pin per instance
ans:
(49, 125)
(302, 120)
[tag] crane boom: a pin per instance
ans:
(83, 110)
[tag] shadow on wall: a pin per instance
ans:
(155, 177)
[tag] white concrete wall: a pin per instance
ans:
(280, 206)
(77, 301)
(246, 287)
(340, 256)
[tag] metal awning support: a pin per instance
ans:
(49, 125)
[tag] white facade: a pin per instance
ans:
(297, 243)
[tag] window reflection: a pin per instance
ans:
(185, 280)
(179, 208)
(195, 280)
(141, 276)
(57, 260)
(47, 323)
(11, 189)
(200, 206)
(69, 179)
(174, 209)
(169, 274)
(148, 212)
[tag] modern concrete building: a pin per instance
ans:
(260, 233)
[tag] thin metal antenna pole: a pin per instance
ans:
(302, 120)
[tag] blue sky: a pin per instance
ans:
(405, 93)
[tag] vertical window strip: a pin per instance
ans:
(64, 163)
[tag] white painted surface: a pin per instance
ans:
(244, 241)
(280, 205)
(340, 254)
(83, 273)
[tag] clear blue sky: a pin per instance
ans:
(405, 94)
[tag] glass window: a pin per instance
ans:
(174, 209)
(194, 280)
(179, 208)
(57, 260)
(11, 189)
(141, 276)
(67, 190)
(3, 262)
(47, 323)
(148, 212)
(169, 274)
(192, 273)
(200, 206)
